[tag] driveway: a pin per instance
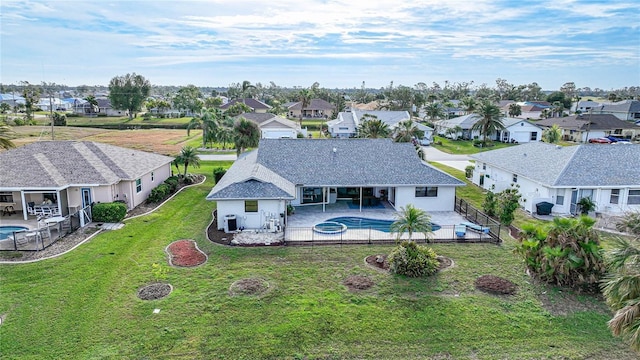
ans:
(211, 157)
(459, 162)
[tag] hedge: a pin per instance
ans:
(109, 212)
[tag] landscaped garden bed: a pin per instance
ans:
(495, 285)
(379, 261)
(155, 291)
(185, 253)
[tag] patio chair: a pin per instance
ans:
(55, 211)
(47, 212)
(31, 209)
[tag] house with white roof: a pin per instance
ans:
(301, 172)
(608, 175)
(346, 125)
(274, 126)
(72, 175)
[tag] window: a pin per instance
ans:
(560, 197)
(484, 166)
(6, 197)
(138, 185)
(615, 196)
(152, 177)
(251, 206)
(426, 191)
(534, 136)
(634, 197)
(515, 178)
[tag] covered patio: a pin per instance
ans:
(35, 233)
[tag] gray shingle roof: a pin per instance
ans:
(58, 164)
(595, 165)
(314, 104)
(581, 122)
(252, 103)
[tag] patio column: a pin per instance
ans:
(24, 205)
(360, 198)
(58, 201)
(324, 196)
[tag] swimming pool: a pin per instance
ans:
(353, 222)
(5, 231)
(330, 227)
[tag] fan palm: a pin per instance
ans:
(5, 137)
(411, 219)
(372, 128)
(245, 134)
(188, 156)
(407, 130)
(469, 104)
(553, 134)
(434, 111)
(489, 120)
(208, 122)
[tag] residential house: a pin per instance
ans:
(256, 106)
(585, 106)
(516, 129)
(275, 127)
(74, 174)
(562, 175)
(261, 183)
(316, 109)
(47, 104)
(582, 127)
(623, 110)
(346, 125)
(12, 99)
(103, 108)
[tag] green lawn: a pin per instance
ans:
(83, 305)
(463, 146)
(112, 120)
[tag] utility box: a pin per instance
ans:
(230, 223)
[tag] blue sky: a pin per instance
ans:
(336, 43)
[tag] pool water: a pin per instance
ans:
(5, 231)
(329, 227)
(353, 222)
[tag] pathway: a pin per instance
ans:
(459, 162)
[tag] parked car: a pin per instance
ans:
(600, 140)
(424, 142)
(615, 139)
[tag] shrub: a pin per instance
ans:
(507, 203)
(159, 193)
(489, 204)
(59, 119)
(19, 122)
(172, 181)
(70, 115)
(218, 173)
(413, 260)
(109, 212)
(630, 223)
(468, 171)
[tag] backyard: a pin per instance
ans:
(85, 305)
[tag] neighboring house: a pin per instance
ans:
(346, 125)
(46, 104)
(562, 175)
(585, 106)
(75, 174)
(261, 183)
(12, 99)
(583, 127)
(275, 127)
(516, 129)
(623, 110)
(317, 108)
(104, 108)
(256, 106)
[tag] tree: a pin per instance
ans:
(490, 203)
(31, 96)
(558, 108)
(489, 120)
(411, 219)
(552, 135)
(188, 156)
(434, 111)
(469, 104)
(208, 122)
(621, 288)
(93, 104)
(559, 96)
(406, 131)
(413, 260)
(189, 98)
(128, 92)
(246, 86)
(372, 128)
(507, 203)
(4, 108)
(6, 134)
(237, 109)
(212, 102)
(245, 134)
(515, 110)
(59, 119)
(304, 96)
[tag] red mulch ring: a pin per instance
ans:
(357, 282)
(495, 285)
(185, 253)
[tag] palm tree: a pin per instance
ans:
(246, 85)
(434, 111)
(553, 134)
(558, 108)
(245, 134)
(406, 131)
(304, 96)
(515, 110)
(469, 104)
(5, 137)
(188, 156)
(208, 122)
(411, 219)
(489, 120)
(621, 288)
(372, 128)
(93, 102)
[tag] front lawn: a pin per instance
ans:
(464, 146)
(83, 305)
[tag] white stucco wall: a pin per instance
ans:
(521, 132)
(405, 195)
(279, 133)
(160, 174)
(255, 220)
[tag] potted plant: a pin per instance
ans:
(586, 205)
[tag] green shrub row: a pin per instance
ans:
(109, 212)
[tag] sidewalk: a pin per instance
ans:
(459, 162)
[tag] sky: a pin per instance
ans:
(337, 43)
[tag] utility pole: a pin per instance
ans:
(586, 140)
(51, 113)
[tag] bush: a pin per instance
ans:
(59, 119)
(468, 171)
(19, 122)
(489, 204)
(172, 181)
(413, 260)
(218, 173)
(630, 223)
(70, 115)
(507, 203)
(159, 193)
(109, 212)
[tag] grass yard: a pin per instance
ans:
(112, 120)
(464, 146)
(83, 305)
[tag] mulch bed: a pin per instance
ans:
(146, 206)
(185, 253)
(154, 291)
(380, 261)
(357, 282)
(495, 285)
(248, 286)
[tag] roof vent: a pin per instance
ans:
(525, 154)
(335, 150)
(558, 147)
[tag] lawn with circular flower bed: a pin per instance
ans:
(185, 253)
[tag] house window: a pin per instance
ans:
(534, 136)
(6, 197)
(138, 185)
(634, 197)
(426, 191)
(615, 196)
(484, 166)
(152, 177)
(559, 197)
(251, 206)
(515, 178)
(617, 131)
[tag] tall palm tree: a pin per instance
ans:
(304, 96)
(5, 137)
(208, 122)
(93, 104)
(469, 104)
(372, 128)
(621, 289)
(246, 85)
(558, 108)
(515, 110)
(553, 134)
(434, 111)
(245, 134)
(406, 131)
(411, 219)
(188, 156)
(489, 120)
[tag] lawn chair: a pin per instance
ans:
(460, 230)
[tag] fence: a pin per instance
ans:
(42, 237)
(474, 215)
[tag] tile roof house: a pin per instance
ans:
(623, 110)
(301, 172)
(74, 174)
(317, 108)
(256, 106)
(609, 175)
(346, 125)
(274, 127)
(583, 127)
